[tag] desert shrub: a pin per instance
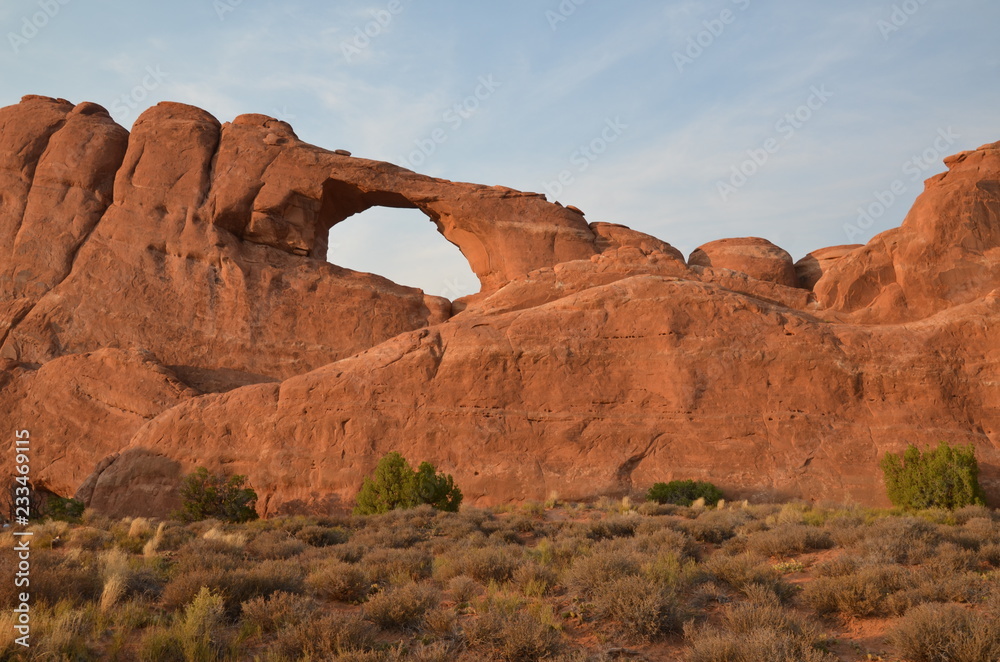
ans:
(669, 568)
(160, 644)
(949, 559)
(198, 630)
(836, 567)
(436, 489)
(275, 545)
(613, 527)
(684, 492)
(715, 526)
(653, 509)
(235, 584)
(63, 509)
(393, 537)
(398, 566)
(534, 580)
(456, 526)
(788, 539)
(930, 586)
(759, 629)
(507, 629)
(898, 540)
(744, 572)
(590, 573)
(638, 608)
(335, 580)
(322, 536)
(277, 611)
(442, 622)
(990, 554)
(55, 578)
(491, 563)
(404, 606)
(862, 593)
(325, 637)
(947, 633)
(62, 635)
(206, 495)
(653, 536)
(945, 477)
(396, 485)
(88, 538)
(464, 588)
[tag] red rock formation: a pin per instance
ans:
(812, 267)
(189, 321)
(753, 256)
(947, 252)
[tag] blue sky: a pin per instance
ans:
(691, 121)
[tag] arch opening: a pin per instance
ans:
(401, 243)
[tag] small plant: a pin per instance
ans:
(945, 477)
(684, 492)
(206, 495)
(396, 485)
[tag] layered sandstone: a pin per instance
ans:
(165, 304)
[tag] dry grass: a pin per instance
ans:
(574, 582)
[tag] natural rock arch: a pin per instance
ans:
(271, 188)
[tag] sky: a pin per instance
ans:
(810, 124)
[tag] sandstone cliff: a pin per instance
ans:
(165, 304)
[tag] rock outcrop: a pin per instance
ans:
(946, 252)
(812, 267)
(753, 256)
(165, 304)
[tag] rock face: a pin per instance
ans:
(753, 256)
(812, 267)
(947, 251)
(166, 305)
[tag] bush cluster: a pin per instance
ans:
(396, 485)
(945, 477)
(206, 495)
(684, 492)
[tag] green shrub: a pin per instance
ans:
(396, 485)
(944, 477)
(684, 492)
(438, 490)
(206, 495)
(66, 510)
